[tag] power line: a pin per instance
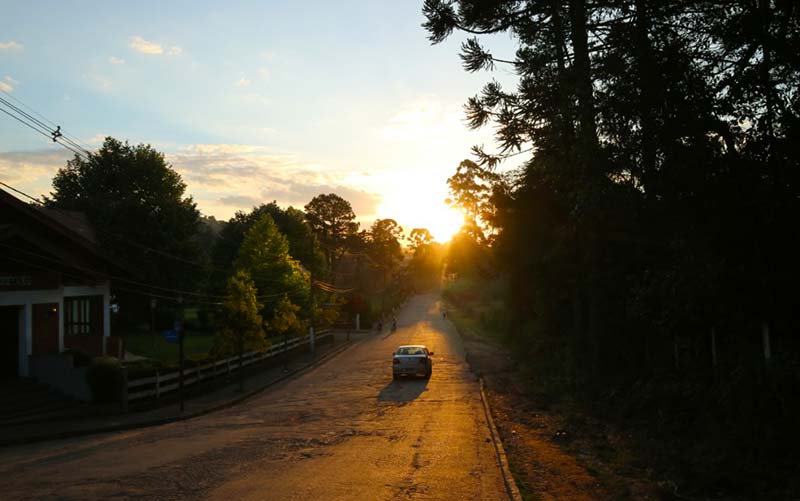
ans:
(53, 125)
(144, 293)
(25, 123)
(54, 135)
(203, 266)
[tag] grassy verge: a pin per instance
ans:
(196, 346)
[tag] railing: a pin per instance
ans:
(160, 384)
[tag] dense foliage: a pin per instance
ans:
(243, 326)
(142, 217)
(264, 255)
(652, 231)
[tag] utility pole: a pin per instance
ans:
(153, 322)
(241, 360)
(285, 353)
(178, 326)
(312, 332)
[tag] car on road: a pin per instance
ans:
(412, 360)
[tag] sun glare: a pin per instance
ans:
(424, 212)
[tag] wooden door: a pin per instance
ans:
(9, 341)
(45, 328)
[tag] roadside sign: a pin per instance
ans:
(171, 336)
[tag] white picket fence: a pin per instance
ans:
(161, 384)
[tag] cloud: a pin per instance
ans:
(10, 45)
(139, 44)
(143, 46)
(241, 201)
(32, 171)
(11, 80)
(267, 55)
(222, 178)
(116, 60)
(242, 82)
(264, 73)
(227, 177)
(6, 87)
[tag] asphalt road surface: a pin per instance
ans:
(344, 430)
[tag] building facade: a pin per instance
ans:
(54, 287)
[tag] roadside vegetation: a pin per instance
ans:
(265, 275)
(645, 234)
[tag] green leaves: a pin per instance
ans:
(242, 322)
(333, 222)
(264, 255)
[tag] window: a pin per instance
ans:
(83, 315)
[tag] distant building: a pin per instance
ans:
(54, 287)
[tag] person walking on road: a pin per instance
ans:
(394, 324)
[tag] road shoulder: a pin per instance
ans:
(552, 454)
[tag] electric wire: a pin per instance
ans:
(52, 124)
(51, 135)
(143, 284)
(203, 266)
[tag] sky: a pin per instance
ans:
(250, 101)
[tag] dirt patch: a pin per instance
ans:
(556, 452)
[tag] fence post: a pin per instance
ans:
(124, 390)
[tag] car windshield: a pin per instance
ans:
(410, 350)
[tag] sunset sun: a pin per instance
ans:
(423, 209)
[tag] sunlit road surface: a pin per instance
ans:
(342, 431)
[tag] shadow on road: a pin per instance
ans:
(403, 390)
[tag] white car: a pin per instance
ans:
(412, 360)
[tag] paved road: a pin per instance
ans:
(342, 431)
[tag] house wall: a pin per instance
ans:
(27, 298)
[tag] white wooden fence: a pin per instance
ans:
(160, 384)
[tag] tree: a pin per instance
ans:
(658, 197)
(419, 238)
(303, 245)
(471, 189)
(264, 255)
(136, 202)
(242, 322)
(333, 222)
(383, 244)
(425, 267)
(285, 319)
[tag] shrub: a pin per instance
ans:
(105, 379)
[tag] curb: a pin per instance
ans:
(508, 479)
(182, 417)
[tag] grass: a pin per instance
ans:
(196, 346)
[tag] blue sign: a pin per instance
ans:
(171, 336)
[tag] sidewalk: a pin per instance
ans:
(224, 395)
